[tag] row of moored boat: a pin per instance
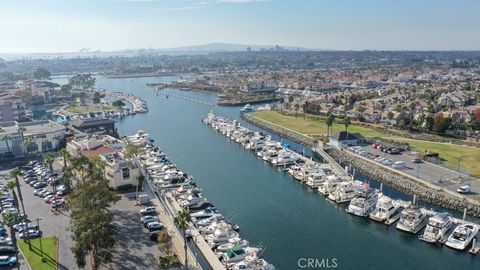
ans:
(362, 200)
(221, 235)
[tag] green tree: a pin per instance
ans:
(91, 217)
(48, 159)
(82, 81)
(6, 139)
(96, 97)
(297, 107)
(118, 103)
(10, 219)
(429, 123)
(281, 100)
(181, 220)
(346, 122)
(330, 121)
(41, 74)
(65, 156)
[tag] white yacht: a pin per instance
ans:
(437, 228)
(328, 185)
(412, 219)
(462, 236)
(220, 237)
(285, 158)
(237, 254)
(232, 243)
(385, 209)
(345, 192)
(315, 180)
(364, 202)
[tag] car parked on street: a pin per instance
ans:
(148, 210)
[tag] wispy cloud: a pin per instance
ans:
(178, 5)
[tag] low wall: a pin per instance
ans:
(423, 191)
(280, 131)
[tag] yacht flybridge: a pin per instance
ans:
(437, 228)
(412, 219)
(364, 202)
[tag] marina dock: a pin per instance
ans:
(274, 152)
(185, 97)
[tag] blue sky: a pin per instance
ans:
(69, 25)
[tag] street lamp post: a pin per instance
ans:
(41, 246)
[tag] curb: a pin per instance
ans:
(23, 255)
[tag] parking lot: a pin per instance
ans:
(426, 171)
(134, 249)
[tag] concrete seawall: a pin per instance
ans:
(425, 192)
(280, 131)
(428, 194)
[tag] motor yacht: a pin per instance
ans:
(315, 180)
(232, 243)
(220, 237)
(237, 254)
(437, 228)
(364, 202)
(462, 236)
(285, 158)
(412, 219)
(344, 192)
(208, 212)
(385, 209)
(329, 185)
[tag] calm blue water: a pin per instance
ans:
(286, 217)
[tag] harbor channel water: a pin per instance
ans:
(287, 218)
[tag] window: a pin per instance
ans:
(126, 173)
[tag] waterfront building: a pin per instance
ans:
(94, 145)
(344, 138)
(120, 172)
(12, 108)
(43, 136)
(95, 125)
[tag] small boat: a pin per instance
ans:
(246, 109)
(462, 236)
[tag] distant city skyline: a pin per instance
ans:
(29, 26)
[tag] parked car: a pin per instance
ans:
(2, 231)
(375, 145)
(8, 260)
(398, 165)
(154, 226)
(57, 203)
(416, 160)
(148, 210)
(38, 191)
(464, 189)
(30, 234)
(147, 219)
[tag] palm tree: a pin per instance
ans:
(65, 155)
(11, 219)
(22, 130)
(281, 100)
(330, 120)
(297, 107)
(181, 220)
(26, 144)
(6, 139)
(14, 173)
(48, 160)
(347, 123)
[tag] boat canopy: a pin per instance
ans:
(235, 251)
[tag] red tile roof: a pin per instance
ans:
(98, 150)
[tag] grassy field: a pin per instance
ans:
(311, 126)
(34, 256)
(451, 153)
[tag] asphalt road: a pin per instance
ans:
(432, 173)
